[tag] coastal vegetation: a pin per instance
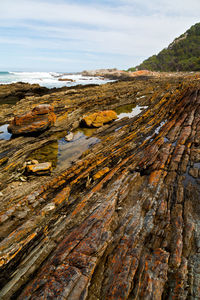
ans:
(183, 54)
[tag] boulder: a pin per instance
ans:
(99, 118)
(39, 119)
(69, 137)
(40, 168)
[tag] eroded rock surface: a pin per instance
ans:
(40, 169)
(122, 221)
(100, 118)
(39, 119)
(11, 93)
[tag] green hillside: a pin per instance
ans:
(181, 55)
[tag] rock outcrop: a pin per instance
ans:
(122, 220)
(11, 93)
(99, 118)
(66, 79)
(39, 119)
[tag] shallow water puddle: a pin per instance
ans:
(4, 134)
(190, 179)
(129, 110)
(156, 131)
(69, 151)
(61, 151)
(196, 165)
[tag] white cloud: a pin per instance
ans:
(164, 7)
(133, 29)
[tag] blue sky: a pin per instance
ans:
(66, 36)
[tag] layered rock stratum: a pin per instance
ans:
(122, 220)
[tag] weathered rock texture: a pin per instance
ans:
(39, 119)
(40, 169)
(122, 222)
(99, 118)
(11, 93)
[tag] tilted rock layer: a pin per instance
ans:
(122, 222)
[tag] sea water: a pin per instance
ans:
(49, 79)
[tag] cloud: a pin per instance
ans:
(123, 32)
(67, 13)
(165, 7)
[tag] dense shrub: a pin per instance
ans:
(181, 55)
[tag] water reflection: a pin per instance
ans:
(129, 110)
(46, 153)
(86, 131)
(61, 151)
(4, 134)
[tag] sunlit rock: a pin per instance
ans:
(39, 119)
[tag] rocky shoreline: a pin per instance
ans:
(118, 219)
(115, 74)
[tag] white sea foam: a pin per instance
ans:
(48, 79)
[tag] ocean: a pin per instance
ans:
(49, 79)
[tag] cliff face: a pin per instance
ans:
(122, 220)
(183, 54)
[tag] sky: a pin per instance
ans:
(71, 36)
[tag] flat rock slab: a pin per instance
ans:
(40, 168)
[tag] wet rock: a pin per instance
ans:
(194, 172)
(11, 93)
(23, 179)
(101, 173)
(99, 118)
(34, 161)
(39, 119)
(66, 79)
(69, 137)
(40, 168)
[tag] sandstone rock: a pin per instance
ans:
(34, 161)
(23, 179)
(99, 118)
(101, 173)
(39, 119)
(11, 93)
(69, 137)
(194, 172)
(40, 168)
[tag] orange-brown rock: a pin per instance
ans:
(40, 168)
(37, 120)
(99, 118)
(101, 173)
